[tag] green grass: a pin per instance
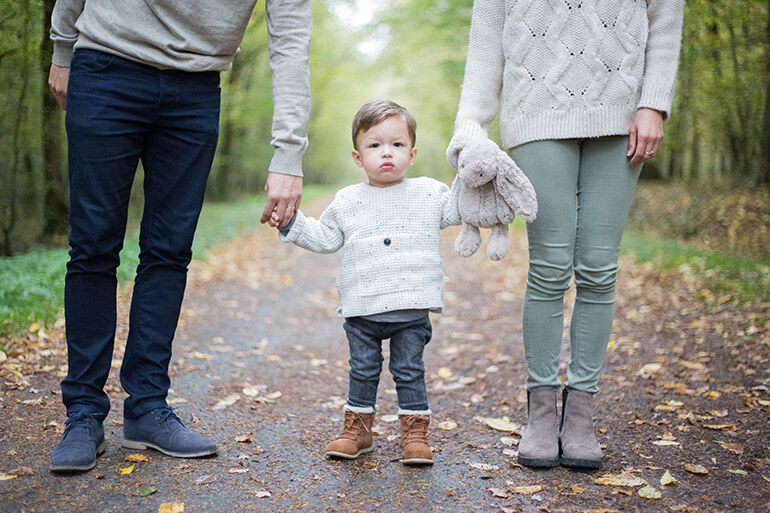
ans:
(32, 285)
(718, 275)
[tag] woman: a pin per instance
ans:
(582, 88)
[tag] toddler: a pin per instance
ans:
(391, 274)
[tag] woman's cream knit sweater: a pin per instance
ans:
(560, 69)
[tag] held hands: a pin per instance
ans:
(645, 135)
(283, 196)
(58, 78)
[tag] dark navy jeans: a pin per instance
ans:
(407, 342)
(118, 113)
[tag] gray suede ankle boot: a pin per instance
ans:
(539, 447)
(577, 438)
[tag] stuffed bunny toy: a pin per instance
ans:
(493, 189)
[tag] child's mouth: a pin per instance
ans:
(387, 166)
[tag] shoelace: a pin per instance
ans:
(416, 430)
(352, 427)
(165, 414)
(77, 420)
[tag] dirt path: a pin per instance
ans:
(684, 385)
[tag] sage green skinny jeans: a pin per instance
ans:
(567, 236)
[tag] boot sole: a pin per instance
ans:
(536, 462)
(71, 468)
(336, 454)
(141, 446)
(417, 461)
(578, 463)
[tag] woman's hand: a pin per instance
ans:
(645, 135)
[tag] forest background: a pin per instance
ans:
(707, 190)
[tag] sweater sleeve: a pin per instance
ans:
(480, 96)
(450, 210)
(661, 57)
(322, 235)
(63, 31)
(289, 26)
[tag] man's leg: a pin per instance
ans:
(177, 158)
(107, 116)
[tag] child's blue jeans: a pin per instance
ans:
(407, 342)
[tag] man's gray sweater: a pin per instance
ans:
(201, 35)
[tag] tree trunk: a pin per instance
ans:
(765, 176)
(55, 209)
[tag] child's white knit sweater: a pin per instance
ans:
(560, 69)
(391, 237)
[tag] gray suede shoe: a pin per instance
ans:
(539, 447)
(161, 429)
(579, 447)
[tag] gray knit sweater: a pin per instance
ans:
(558, 69)
(201, 35)
(391, 237)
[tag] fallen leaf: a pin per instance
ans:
(444, 372)
(22, 471)
(483, 466)
(447, 425)
(257, 450)
(227, 401)
(726, 426)
(176, 400)
(525, 490)
(6, 477)
(260, 494)
(665, 442)
(389, 418)
(316, 362)
(668, 479)
(136, 458)
(623, 479)
(718, 413)
(3, 356)
(477, 398)
(205, 479)
(199, 356)
(738, 472)
(238, 470)
(737, 449)
(126, 470)
(509, 441)
(171, 507)
(696, 469)
(649, 368)
(511, 453)
(576, 489)
(273, 395)
(147, 490)
(34, 327)
(243, 439)
(503, 424)
(648, 492)
(250, 391)
(499, 492)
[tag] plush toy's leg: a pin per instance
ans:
(498, 243)
(468, 241)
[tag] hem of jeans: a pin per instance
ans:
(360, 409)
(131, 413)
(402, 411)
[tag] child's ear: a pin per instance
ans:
(357, 158)
(412, 155)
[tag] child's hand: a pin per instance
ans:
(273, 221)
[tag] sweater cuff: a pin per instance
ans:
(286, 162)
(657, 98)
(62, 54)
(295, 228)
(471, 129)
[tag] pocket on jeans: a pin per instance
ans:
(90, 61)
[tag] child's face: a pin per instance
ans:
(385, 152)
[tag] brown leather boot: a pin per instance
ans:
(414, 440)
(356, 436)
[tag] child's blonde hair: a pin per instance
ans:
(378, 111)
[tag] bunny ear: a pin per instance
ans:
(516, 190)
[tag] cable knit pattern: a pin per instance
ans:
(391, 237)
(558, 69)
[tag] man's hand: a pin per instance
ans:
(57, 81)
(284, 194)
(645, 135)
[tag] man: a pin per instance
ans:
(140, 81)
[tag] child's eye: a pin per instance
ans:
(374, 145)
(398, 144)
